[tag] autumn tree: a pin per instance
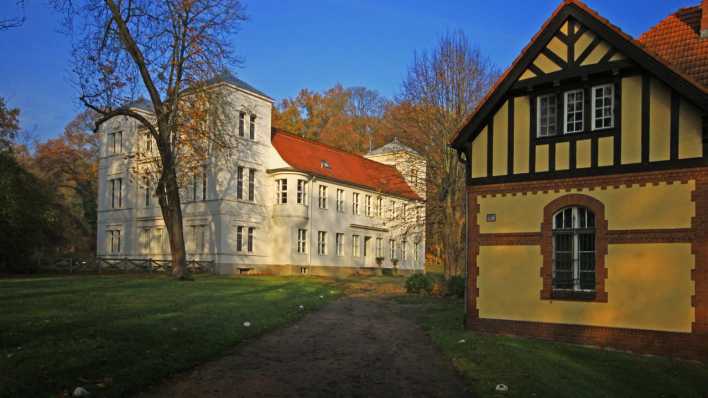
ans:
(167, 51)
(9, 125)
(68, 165)
(347, 118)
(442, 87)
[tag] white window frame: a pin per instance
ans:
(114, 244)
(322, 200)
(340, 200)
(322, 243)
(252, 127)
(242, 124)
(378, 207)
(251, 185)
(404, 250)
(116, 196)
(356, 246)
(251, 239)
(611, 116)
(281, 191)
(579, 225)
(301, 241)
(302, 192)
(239, 182)
(581, 111)
(355, 203)
(339, 244)
(392, 248)
(239, 238)
(379, 248)
(367, 205)
(539, 109)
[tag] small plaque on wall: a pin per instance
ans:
(491, 217)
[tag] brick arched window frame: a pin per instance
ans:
(598, 209)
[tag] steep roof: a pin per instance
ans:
(392, 147)
(677, 39)
(684, 83)
(228, 77)
(325, 161)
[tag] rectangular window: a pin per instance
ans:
(416, 252)
(241, 124)
(379, 248)
(148, 191)
(147, 142)
(252, 128)
(199, 185)
(239, 182)
(252, 185)
(322, 243)
(157, 244)
(547, 115)
(282, 191)
(301, 240)
(113, 241)
(251, 233)
(367, 243)
(115, 142)
(391, 210)
(404, 250)
(340, 200)
(379, 207)
(239, 238)
(392, 248)
(355, 203)
(144, 241)
(116, 186)
(356, 246)
(573, 116)
(603, 98)
(301, 192)
(323, 197)
(198, 233)
(339, 240)
(404, 209)
(367, 205)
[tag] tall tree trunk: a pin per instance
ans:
(171, 207)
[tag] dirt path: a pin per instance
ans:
(357, 346)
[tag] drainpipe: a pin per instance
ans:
(308, 203)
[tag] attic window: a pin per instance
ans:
(325, 164)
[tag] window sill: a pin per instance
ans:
(576, 136)
(569, 295)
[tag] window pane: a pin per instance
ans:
(564, 242)
(587, 261)
(586, 242)
(587, 280)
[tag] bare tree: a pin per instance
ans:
(14, 21)
(441, 88)
(168, 51)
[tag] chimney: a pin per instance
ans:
(704, 19)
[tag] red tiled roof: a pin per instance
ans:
(677, 39)
(307, 156)
(565, 3)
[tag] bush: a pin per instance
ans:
(455, 286)
(418, 283)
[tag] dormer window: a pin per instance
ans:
(547, 115)
(325, 164)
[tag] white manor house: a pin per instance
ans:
(283, 205)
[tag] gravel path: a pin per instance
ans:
(353, 347)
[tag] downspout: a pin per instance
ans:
(308, 203)
(464, 158)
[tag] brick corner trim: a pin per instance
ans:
(598, 209)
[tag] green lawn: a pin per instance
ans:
(117, 334)
(532, 368)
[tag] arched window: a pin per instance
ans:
(574, 250)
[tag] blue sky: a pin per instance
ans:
(289, 45)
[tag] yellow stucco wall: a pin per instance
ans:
(545, 64)
(648, 285)
(559, 48)
(562, 156)
(596, 54)
(690, 131)
(479, 155)
(583, 154)
(605, 151)
(541, 157)
(659, 121)
(527, 75)
(521, 134)
(631, 120)
(582, 43)
(635, 207)
(501, 141)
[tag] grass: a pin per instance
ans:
(532, 368)
(115, 335)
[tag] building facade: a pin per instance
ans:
(281, 204)
(588, 188)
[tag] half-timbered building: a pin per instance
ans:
(588, 187)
